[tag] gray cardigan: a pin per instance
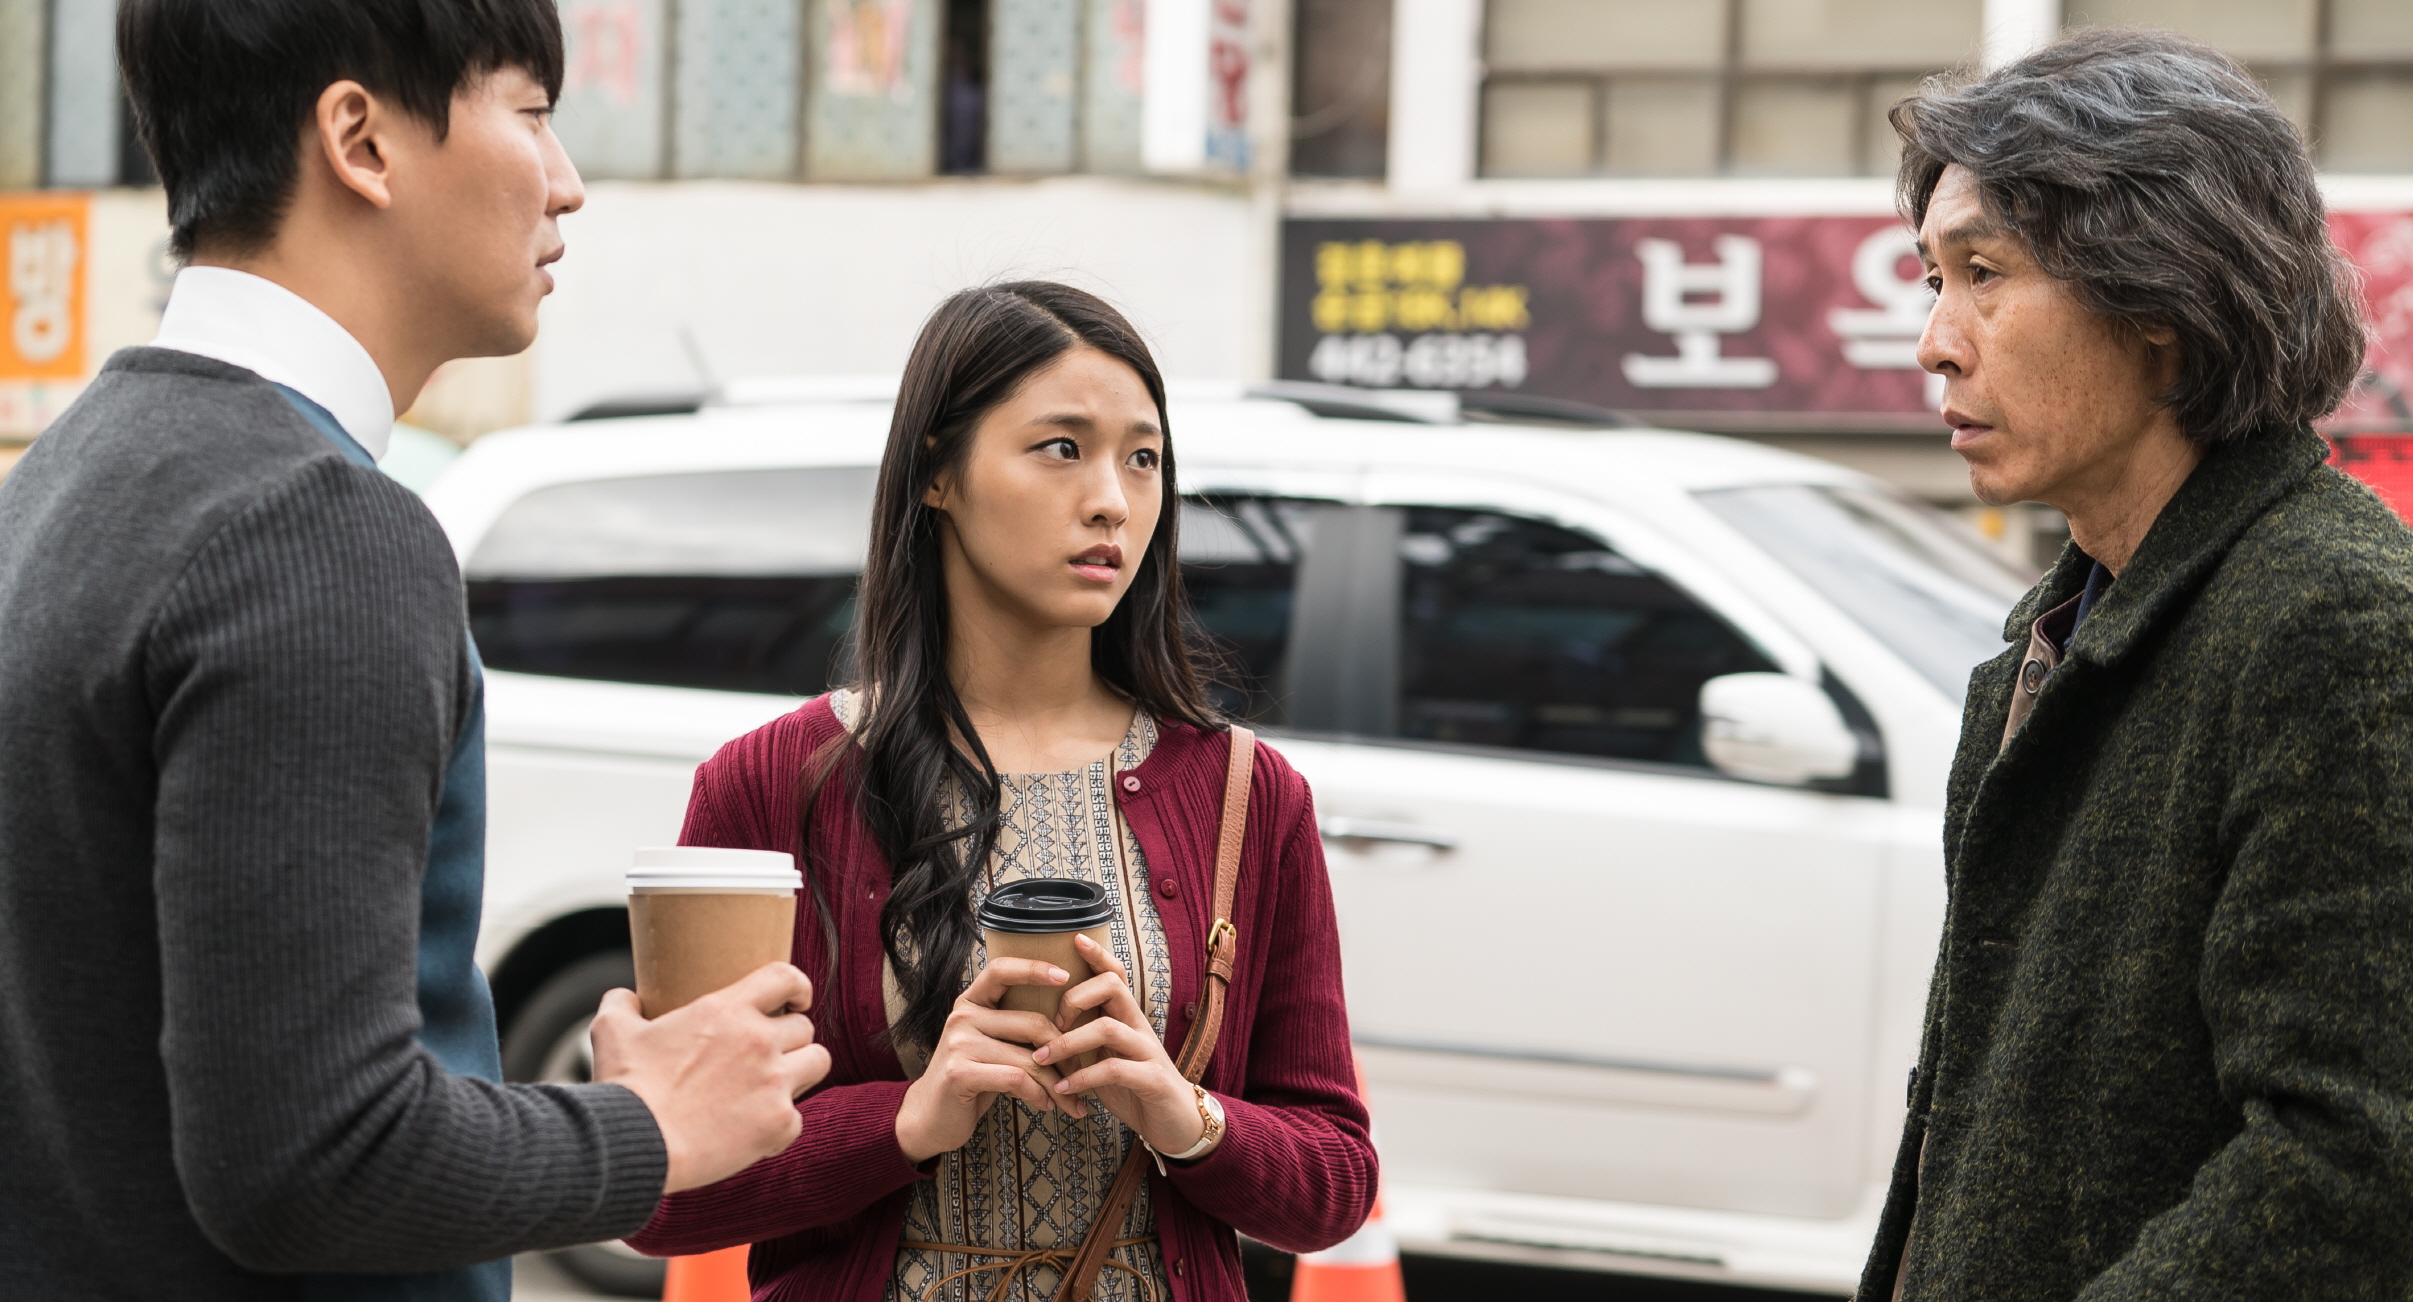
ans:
(232, 674)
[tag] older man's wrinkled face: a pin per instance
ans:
(2046, 399)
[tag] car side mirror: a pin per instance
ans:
(1775, 728)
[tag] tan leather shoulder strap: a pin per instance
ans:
(1223, 940)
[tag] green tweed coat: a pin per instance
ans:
(2169, 1043)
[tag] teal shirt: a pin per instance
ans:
(456, 1011)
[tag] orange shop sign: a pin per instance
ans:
(44, 248)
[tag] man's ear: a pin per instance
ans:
(2161, 345)
(352, 126)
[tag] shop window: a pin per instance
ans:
(1795, 126)
(1114, 77)
(963, 125)
(1341, 99)
(1035, 62)
(848, 90)
(2367, 120)
(736, 88)
(2377, 29)
(2342, 70)
(1681, 88)
(1538, 128)
(88, 130)
(610, 116)
(22, 45)
(1531, 35)
(872, 77)
(1041, 87)
(2254, 31)
(1802, 87)
(1660, 124)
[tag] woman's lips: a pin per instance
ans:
(1099, 564)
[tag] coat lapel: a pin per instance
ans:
(2236, 483)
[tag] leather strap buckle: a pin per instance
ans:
(1222, 928)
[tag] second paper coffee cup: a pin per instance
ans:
(701, 918)
(1037, 918)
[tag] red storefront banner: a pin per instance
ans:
(1798, 324)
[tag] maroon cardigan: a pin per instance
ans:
(1296, 1168)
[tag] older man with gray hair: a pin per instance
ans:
(2169, 1044)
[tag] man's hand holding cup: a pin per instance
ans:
(728, 1047)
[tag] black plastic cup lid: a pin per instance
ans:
(1041, 906)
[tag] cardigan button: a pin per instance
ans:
(1131, 782)
(1177, 1269)
(1190, 1010)
(1168, 888)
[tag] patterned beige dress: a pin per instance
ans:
(1028, 1179)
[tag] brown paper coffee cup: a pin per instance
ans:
(700, 919)
(1037, 918)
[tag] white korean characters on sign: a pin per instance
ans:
(45, 256)
(1697, 322)
(1886, 337)
(1670, 287)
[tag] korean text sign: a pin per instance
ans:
(1769, 314)
(44, 248)
(1739, 322)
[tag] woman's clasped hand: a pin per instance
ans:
(1135, 1077)
(982, 1051)
(986, 1050)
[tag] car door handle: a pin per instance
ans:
(1336, 828)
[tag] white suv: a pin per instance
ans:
(1629, 748)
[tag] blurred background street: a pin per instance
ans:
(1428, 1279)
(1429, 278)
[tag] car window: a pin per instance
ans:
(744, 581)
(1519, 633)
(1917, 579)
(1240, 560)
(738, 580)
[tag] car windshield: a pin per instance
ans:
(1918, 579)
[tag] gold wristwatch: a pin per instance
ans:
(1210, 1111)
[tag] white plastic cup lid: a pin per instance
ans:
(695, 867)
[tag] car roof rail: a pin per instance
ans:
(1507, 406)
(1347, 402)
(779, 390)
(642, 404)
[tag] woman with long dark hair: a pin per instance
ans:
(1024, 704)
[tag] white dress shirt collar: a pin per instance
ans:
(263, 327)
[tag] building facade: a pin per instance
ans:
(1677, 209)
(1693, 203)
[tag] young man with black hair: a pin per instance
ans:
(244, 1051)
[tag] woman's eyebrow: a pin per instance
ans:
(1078, 421)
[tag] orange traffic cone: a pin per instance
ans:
(1361, 1268)
(711, 1277)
